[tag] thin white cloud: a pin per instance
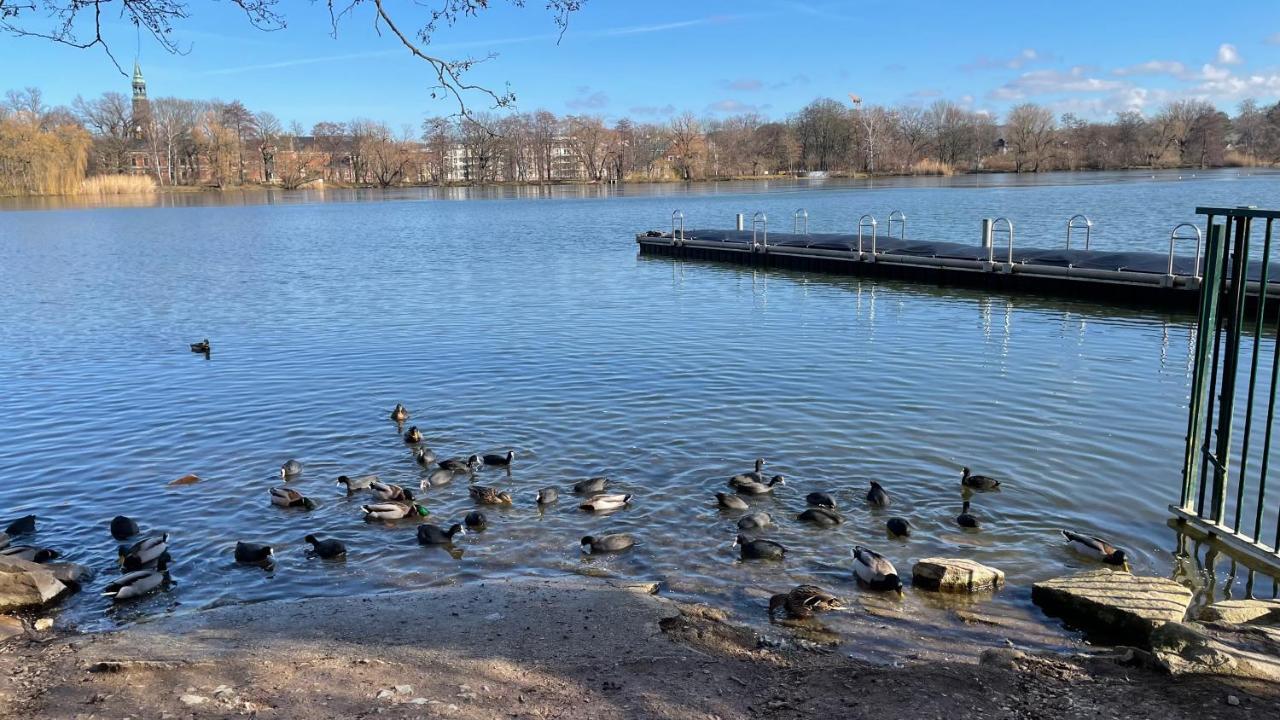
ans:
(1025, 57)
(1049, 82)
(1228, 55)
(734, 106)
(743, 84)
(298, 62)
(588, 99)
(1152, 67)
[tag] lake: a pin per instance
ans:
(524, 319)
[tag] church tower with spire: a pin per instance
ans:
(141, 107)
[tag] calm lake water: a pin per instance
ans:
(525, 319)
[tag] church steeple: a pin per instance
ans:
(139, 85)
(141, 107)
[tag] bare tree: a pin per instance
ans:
(108, 117)
(1029, 131)
(267, 130)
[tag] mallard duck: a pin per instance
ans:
(486, 495)
(1095, 547)
(359, 483)
(393, 510)
(435, 535)
(290, 498)
(978, 482)
(820, 516)
(898, 527)
(437, 477)
(387, 491)
(500, 460)
(253, 553)
(475, 520)
(803, 601)
(459, 465)
(875, 570)
(413, 435)
(729, 501)
(30, 553)
(145, 551)
(755, 521)
(290, 469)
(877, 496)
(326, 549)
(755, 488)
(616, 542)
(590, 486)
(604, 503)
(136, 584)
(123, 528)
(964, 519)
(24, 525)
(822, 500)
(424, 456)
(548, 495)
(756, 476)
(759, 549)
(201, 347)
(399, 413)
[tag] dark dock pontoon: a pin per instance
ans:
(1138, 278)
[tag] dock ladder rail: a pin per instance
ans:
(867, 221)
(995, 227)
(899, 217)
(760, 225)
(677, 216)
(1194, 234)
(1079, 222)
(801, 219)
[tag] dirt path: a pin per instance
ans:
(573, 648)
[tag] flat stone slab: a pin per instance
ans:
(1242, 611)
(1248, 651)
(26, 585)
(955, 575)
(1115, 606)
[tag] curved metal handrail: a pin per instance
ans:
(1174, 237)
(760, 221)
(901, 218)
(1073, 225)
(677, 215)
(867, 220)
(801, 214)
(995, 227)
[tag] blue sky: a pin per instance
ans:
(650, 58)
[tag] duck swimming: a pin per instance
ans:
(978, 482)
(435, 535)
(201, 347)
(387, 491)
(756, 476)
(253, 553)
(820, 516)
(144, 552)
(136, 584)
(964, 519)
(804, 601)
(413, 435)
(31, 553)
(475, 520)
(486, 495)
(729, 501)
(755, 488)
(458, 465)
(290, 498)
(424, 456)
(755, 521)
(290, 469)
(875, 570)
(438, 477)
(548, 495)
(326, 549)
(616, 542)
(590, 486)
(399, 413)
(353, 484)
(499, 460)
(123, 528)
(759, 549)
(24, 525)
(820, 499)
(1095, 547)
(877, 496)
(393, 510)
(898, 527)
(605, 503)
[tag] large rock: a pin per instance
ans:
(25, 585)
(1235, 650)
(1114, 606)
(10, 627)
(955, 575)
(70, 574)
(1242, 611)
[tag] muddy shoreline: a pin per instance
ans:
(563, 648)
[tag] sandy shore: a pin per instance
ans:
(565, 648)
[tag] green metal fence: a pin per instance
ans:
(1232, 408)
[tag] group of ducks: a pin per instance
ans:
(873, 570)
(144, 562)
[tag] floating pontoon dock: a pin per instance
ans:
(1135, 278)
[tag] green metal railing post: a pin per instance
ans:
(1230, 364)
(1259, 314)
(1206, 319)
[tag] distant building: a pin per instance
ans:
(141, 106)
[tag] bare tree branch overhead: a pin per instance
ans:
(80, 24)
